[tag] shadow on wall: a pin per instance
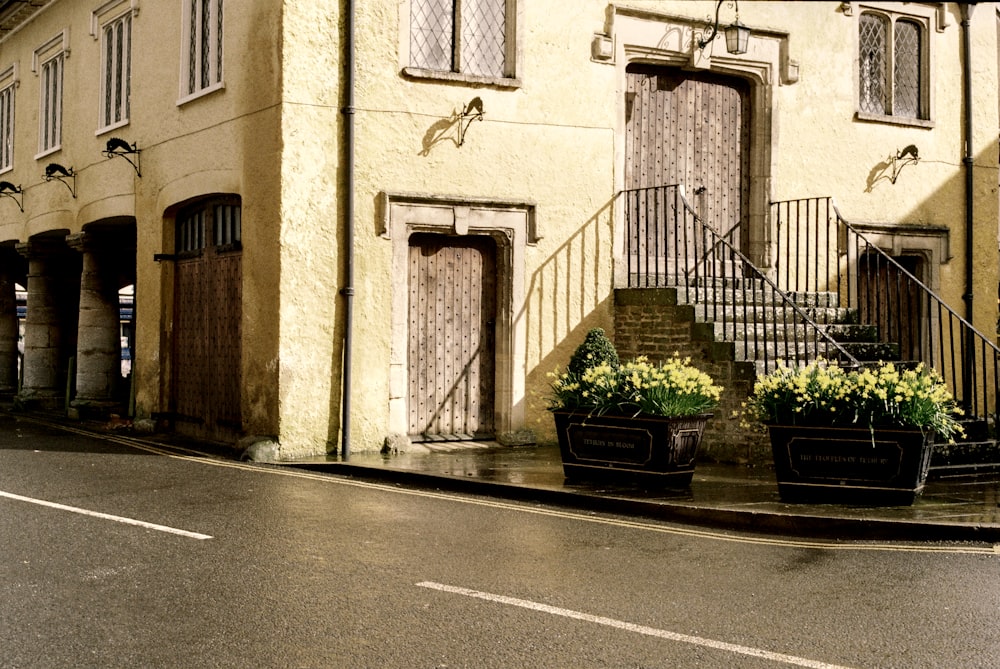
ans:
(453, 128)
(569, 293)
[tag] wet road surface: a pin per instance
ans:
(115, 556)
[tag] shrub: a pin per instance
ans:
(596, 349)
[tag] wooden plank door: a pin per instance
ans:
(691, 129)
(206, 379)
(452, 313)
(892, 303)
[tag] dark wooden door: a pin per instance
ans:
(892, 302)
(452, 315)
(206, 378)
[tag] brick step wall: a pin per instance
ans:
(649, 322)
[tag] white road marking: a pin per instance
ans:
(105, 516)
(631, 627)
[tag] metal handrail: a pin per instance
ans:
(884, 293)
(668, 244)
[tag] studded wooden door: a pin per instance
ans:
(206, 380)
(452, 314)
(691, 129)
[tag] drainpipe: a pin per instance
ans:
(348, 290)
(968, 159)
(967, 162)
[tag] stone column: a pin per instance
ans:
(8, 329)
(98, 349)
(48, 329)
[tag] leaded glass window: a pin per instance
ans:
(117, 71)
(7, 127)
(872, 64)
(906, 70)
(890, 66)
(50, 118)
(203, 45)
(463, 36)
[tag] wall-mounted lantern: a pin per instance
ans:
(737, 34)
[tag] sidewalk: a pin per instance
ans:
(721, 496)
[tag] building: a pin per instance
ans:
(437, 192)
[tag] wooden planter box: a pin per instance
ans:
(646, 450)
(842, 465)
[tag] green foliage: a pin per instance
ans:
(596, 349)
(884, 396)
(673, 389)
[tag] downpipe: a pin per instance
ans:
(968, 162)
(348, 290)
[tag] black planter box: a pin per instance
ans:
(645, 450)
(845, 465)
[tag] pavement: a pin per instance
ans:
(730, 496)
(721, 496)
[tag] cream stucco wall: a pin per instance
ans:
(310, 314)
(556, 141)
(224, 142)
(550, 143)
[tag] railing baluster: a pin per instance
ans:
(629, 216)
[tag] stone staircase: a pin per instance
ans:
(711, 323)
(747, 310)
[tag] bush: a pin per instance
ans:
(595, 350)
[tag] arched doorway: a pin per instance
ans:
(206, 379)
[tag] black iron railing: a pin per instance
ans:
(668, 245)
(818, 250)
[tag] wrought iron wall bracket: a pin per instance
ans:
(908, 156)
(7, 189)
(471, 112)
(56, 172)
(120, 148)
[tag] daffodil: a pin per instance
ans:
(822, 393)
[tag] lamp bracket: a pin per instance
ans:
(7, 189)
(120, 148)
(737, 34)
(56, 172)
(705, 41)
(471, 112)
(907, 156)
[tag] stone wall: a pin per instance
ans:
(649, 322)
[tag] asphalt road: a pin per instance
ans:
(117, 556)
